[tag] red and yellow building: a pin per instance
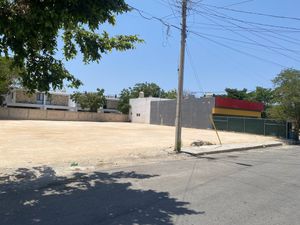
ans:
(234, 107)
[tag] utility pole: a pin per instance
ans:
(180, 79)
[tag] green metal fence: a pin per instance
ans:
(252, 126)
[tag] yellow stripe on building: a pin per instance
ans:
(235, 112)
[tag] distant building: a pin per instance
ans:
(196, 112)
(141, 109)
(58, 100)
(19, 98)
(111, 106)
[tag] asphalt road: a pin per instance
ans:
(254, 187)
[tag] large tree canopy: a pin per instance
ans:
(29, 32)
(287, 97)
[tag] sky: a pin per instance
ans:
(223, 48)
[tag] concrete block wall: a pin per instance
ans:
(195, 112)
(55, 115)
(71, 116)
(36, 114)
(22, 114)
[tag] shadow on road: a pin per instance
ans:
(38, 196)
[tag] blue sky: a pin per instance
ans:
(211, 64)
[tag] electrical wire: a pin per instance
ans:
(250, 22)
(194, 68)
(237, 50)
(202, 36)
(251, 13)
(254, 41)
(239, 3)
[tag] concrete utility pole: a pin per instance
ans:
(180, 79)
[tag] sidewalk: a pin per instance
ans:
(214, 149)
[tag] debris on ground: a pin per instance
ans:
(201, 143)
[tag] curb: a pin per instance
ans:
(235, 149)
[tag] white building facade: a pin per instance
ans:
(140, 109)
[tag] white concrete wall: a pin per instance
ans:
(140, 110)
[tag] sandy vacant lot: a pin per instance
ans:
(32, 143)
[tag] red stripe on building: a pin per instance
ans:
(238, 104)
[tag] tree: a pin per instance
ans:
(91, 101)
(287, 98)
(172, 94)
(236, 94)
(149, 90)
(124, 97)
(263, 95)
(8, 76)
(29, 32)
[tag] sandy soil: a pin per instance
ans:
(35, 143)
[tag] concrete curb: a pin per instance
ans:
(234, 149)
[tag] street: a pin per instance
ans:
(252, 187)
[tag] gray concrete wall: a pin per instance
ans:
(36, 114)
(195, 112)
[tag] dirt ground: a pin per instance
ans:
(36, 143)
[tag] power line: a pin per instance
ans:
(151, 17)
(249, 30)
(251, 13)
(293, 41)
(260, 29)
(239, 3)
(193, 68)
(237, 65)
(244, 42)
(162, 3)
(254, 41)
(237, 50)
(249, 22)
